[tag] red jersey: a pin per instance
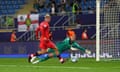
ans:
(84, 36)
(44, 30)
(45, 42)
(13, 37)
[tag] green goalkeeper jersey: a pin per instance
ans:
(66, 45)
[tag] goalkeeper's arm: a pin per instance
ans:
(76, 45)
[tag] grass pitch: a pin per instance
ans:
(53, 65)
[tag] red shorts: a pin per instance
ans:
(46, 45)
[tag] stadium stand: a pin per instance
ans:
(8, 7)
(68, 5)
(85, 9)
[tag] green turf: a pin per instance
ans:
(53, 65)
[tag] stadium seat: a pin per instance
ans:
(47, 2)
(10, 6)
(68, 8)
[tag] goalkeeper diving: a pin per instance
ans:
(68, 43)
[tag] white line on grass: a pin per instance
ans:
(59, 67)
(54, 67)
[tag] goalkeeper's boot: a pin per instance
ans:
(62, 60)
(30, 57)
(35, 62)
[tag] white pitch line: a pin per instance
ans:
(29, 66)
(54, 67)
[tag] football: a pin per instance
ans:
(74, 57)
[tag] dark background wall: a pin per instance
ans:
(82, 19)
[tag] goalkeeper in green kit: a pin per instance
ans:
(66, 44)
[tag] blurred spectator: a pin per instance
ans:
(90, 11)
(52, 1)
(85, 1)
(36, 6)
(41, 3)
(63, 3)
(75, 7)
(80, 10)
(3, 19)
(67, 7)
(79, 1)
(62, 12)
(84, 5)
(9, 21)
(34, 11)
(13, 36)
(84, 35)
(53, 9)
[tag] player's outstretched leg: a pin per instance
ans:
(58, 55)
(31, 57)
(41, 60)
(55, 49)
(46, 57)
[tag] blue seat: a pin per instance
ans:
(4, 11)
(43, 10)
(58, 2)
(48, 10)
(2, 3)
(16, 6)
(9, 2)
(10, 6)
(94, 4)
(2, 7)
(15, 2)
(0, 12)
(11, 11)
(68, 8)
(47, 2)
(21, 2)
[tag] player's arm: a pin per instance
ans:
(66, 41)
(37, 32)
(76, 45)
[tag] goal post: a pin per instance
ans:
(107, 30)
(97, 30)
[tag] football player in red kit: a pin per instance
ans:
(45, 41)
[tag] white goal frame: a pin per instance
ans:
(97, 30)
(107, 30)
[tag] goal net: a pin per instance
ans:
(108, 29)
